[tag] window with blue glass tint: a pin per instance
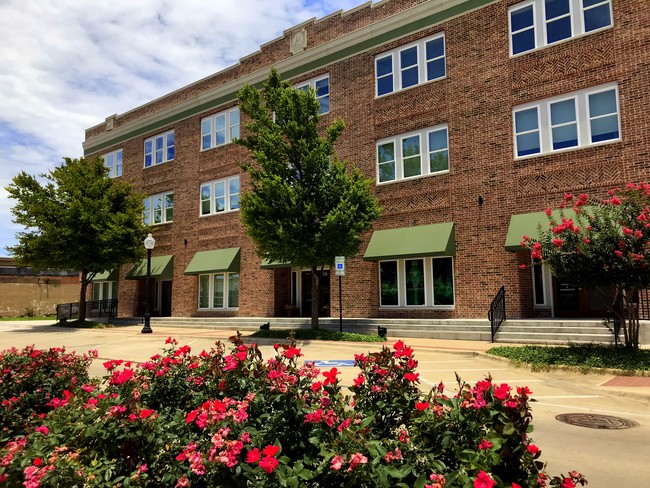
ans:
(384, 75)
(597, 14)
(322, 88)
(206, 133)
(558, 20)
(603, 116)
(411, 156)
(527, 132)
(435, 58)
(159, 149)
(564, 128)
(219, 129)
(386, 162)
(233, 193)
(113, 161)
(438, 151)
(522, 29)
(408, 62)
(170, 146)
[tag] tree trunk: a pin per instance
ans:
(629, 315)
(315, 295)
(82, 296)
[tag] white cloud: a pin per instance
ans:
(65, 65)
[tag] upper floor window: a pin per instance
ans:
(159, 209)
(219, 129)
(113, 161)
(421, 153)
(410, 65)
(159, 149)
(538, 23)
(220, 196)
(578, 119)
(321, 87)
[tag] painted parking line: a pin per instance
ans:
(341, 363)
(591, 409)
(566, 396)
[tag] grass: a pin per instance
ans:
(34, 317)
(585, 357)
(316, 334)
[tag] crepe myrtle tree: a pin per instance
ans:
(305, 206)
(79, 219)
(602, 243)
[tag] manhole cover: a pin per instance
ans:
(596, 421)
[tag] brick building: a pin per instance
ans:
(470, 116)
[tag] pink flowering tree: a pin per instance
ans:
(602, 243)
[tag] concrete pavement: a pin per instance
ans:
(608, 458)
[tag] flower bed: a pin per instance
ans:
(229, 418)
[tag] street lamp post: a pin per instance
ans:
(149, 244)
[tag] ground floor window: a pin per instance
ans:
(421, 282)
(104, 290)
(219, 290)
(541, 285)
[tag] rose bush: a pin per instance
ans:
(229, 418)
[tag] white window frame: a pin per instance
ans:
(576, 12)
(113, 161)
(547, 288)
(428, 284)
(422, 62)
(166, 137)
(312, 84)
(425, 152)
(163, 209)
(226, 291)
(232, 128)
(227, 196)
(583, 120)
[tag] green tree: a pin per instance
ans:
(602, 243)
(78, 219)
(305, 207)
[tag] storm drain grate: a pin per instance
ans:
(593, 421)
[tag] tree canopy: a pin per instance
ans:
(78, 219)
(602, 242)
(305, 206)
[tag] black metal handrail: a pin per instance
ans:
(497, 312)
(94, 308)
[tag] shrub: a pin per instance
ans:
(232, 419)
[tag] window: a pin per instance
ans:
(159, 209)
(421, 153)
(321, 87)
(220, 196)
(159, 149)
(422, 282)
(219, 290)
(113, 161)
(220, 129)
(104, 290)
(410, 65)
(538, 23)
(575, 120)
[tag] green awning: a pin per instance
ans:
(162, 267)
(527, 224)
(266, 264)
(216, 261)
(421, 241)
(112, 275)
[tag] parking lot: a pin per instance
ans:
(608, 456)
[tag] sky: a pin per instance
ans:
(66, 65)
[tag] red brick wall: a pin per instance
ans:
(475, 99)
